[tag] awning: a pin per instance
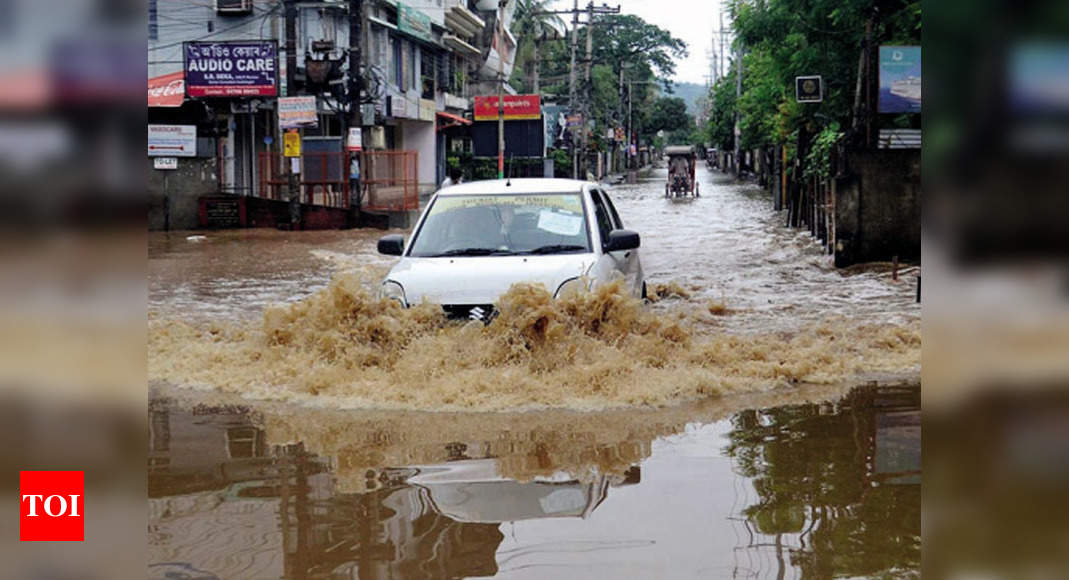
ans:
(167, 90)
(451, 120)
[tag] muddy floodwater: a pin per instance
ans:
(759, 419)
(817, 490)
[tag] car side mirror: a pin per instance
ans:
(622, 240)
(392, 245)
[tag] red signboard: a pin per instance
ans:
(516, 107)
(167, 90)
(51, 506)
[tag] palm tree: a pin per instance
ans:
(533, 24)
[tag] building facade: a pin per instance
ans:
(421, 63)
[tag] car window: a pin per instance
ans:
(617, 223)
(601, 214)
(502, 224)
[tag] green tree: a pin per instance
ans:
(534, 26)
(721, 124)
(625, 41)
(783, 39)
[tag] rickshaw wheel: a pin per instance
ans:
(666, 190)
(696, 194)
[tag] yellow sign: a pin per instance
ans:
(291, 144)
(566, 202)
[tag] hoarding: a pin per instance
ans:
(172, 140)
(900, 79)
(517, 107)
(297, 112)
(231, 69)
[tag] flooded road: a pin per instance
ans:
(822, 490)
(711, 434)
(726, 246)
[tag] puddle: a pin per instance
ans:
(740, 487)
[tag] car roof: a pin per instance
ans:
(519, 186)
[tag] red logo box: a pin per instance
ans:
(51, 506)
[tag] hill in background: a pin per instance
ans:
(689, 92)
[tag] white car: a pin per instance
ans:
(475, 240)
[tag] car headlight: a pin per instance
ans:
(393, 291)
(570, 287)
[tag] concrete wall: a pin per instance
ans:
(878, 207)
(419, 136)
(177, 210)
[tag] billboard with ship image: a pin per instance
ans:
(900, 79)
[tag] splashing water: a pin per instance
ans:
(595, 350)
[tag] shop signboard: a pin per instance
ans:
(231, 69)
(297, 112)
(172, 140)
(414, 22)
(517, 107)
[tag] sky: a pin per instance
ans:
(693, 21)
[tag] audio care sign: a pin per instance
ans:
(231, 69)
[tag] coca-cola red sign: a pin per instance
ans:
(167, 90)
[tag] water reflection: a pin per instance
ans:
(837, 484)
(814, 490)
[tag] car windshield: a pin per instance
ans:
(489, 225)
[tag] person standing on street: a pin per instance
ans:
(452, 179)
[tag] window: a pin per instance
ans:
(427, 66)
(602, 216)
(413, 71)
(616, 221)
(398, 64)
(503, 225)
(442, 71)
(153, 21)
(233, 6)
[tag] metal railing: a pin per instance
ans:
(390, 180)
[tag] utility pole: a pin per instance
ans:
(573, 105)
(630, 157)
(723, 55)
(738, 117)
(294, 194)
(620, 116)
(501, 88)
(571, 85)
(356, 89)
(586, 89)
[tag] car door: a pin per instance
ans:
(612, 264)
(631, 266)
